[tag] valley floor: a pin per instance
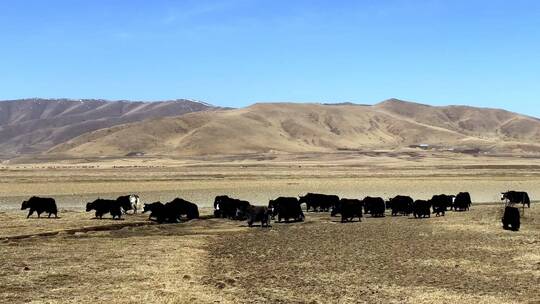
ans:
(464, 257)
(260, 178)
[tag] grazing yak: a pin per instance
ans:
(438, 208)
(319, 202)
(511, 218)
(183, 208)
(129, 202)
(349, 209)
(286, 208)
(400, 205)
(40, 205)
(154, 209)
(462, 202)
(226, 207)
(104, 206)
(421, 208)
(257, 214)
(516, 197)
(374, 206)
(160, 213)
(172, 211)
(441, 203)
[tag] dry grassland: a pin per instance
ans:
(464, 257)
(419, 174)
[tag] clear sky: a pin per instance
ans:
(237, 52)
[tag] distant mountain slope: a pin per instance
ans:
(468, 120)
(290, 127)
(35, 125)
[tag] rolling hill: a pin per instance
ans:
(300, 128)
(35, 125)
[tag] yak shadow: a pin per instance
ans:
(346, 222)
(255, 226)
(288, 222)
(182, 221)
(43, 218)
(108, 218)
(510, 229)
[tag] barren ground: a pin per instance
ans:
(463, 257)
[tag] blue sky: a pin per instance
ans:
(237, 52)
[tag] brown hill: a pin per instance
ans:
(35, 125)
(298, 128)
(482, 122)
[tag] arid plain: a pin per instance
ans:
(464, 257)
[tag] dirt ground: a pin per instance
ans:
(459, 258)
(463, 257)
(149, 264)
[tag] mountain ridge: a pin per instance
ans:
(314, 127)
(35, 125)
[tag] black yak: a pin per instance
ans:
(182, 207)
(104, 206)
(400, 205)
(350, 208)
(462, 202)
(226, 207)
(286, 208)
(155, 209)
(421, 208)
(40, 205)
(257, 214)
(511, 218)
(374, 206)
(516, 197)
(319, 202)
(171, 212)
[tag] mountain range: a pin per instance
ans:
(29, 126)
(301, 128)
(93, 128)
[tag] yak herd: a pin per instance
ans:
(288, 208)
